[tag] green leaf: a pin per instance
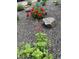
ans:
(38, 4)
(37, 54)
(41, 44)
(50, 56)
(41, 37)
(45, 57)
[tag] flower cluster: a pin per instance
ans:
(37, 12)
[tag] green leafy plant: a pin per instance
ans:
(37, 50)
(41, 41)
(20, 7)
(37, 54)
(50, 56)
(41, 37)
(25, 50)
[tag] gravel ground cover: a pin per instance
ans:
(26, 29)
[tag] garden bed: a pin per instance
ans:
(26, 29)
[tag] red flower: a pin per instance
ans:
(32, 9)
(42, 9)
(36, 11)
(39, 14)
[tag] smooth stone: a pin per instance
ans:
(49, 20)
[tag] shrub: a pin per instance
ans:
(37, 50)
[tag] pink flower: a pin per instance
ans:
(32, 9)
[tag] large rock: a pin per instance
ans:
(49, 22)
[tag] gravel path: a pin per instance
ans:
(26, 29)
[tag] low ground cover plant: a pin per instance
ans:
(37, 50)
